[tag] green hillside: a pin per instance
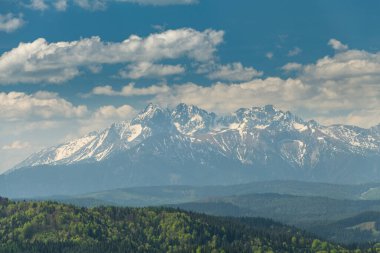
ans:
(163, 195)
(51, 227)
(294, 210)
(361, 228)
(328, 218)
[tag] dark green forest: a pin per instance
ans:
(53, 227)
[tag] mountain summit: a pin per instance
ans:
(188, 145)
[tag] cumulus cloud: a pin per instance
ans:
(346, 86)
(160, 2)
(39, 119)
(148, 69)
(329, 102)
(60, 5)
(130, 90)
(337, 45)
(91, 4)
(39, 5)
(343, 88)
(40, 61)
(345, 65)
(295, 51)
(44, 119)
(269, 55)
(234, 72)
(95, 69)
(15, 106)
(292, 66)
(96, 5)
(99, 5)
(104, 116)
(16, 145)
(107, 112)
(10, 22)
(224, 98)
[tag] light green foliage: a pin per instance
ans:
(51, 227)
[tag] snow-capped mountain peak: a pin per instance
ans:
(247, 135)
(150, 112)
(189, 119)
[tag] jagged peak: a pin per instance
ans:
(151, 108)
(92, 133)
(267, 111)
(313, 123)
(150, 111)
(183, 108)
(270, 109)
(188, 120)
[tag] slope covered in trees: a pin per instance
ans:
(362, 228)
(52, 227)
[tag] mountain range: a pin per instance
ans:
(187, 145)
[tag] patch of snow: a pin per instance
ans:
(178, 126)
(234, 126)
(100, 156)
(135, 132)
(300, 127)
(261, 126)
(196, 118)
(71, 148)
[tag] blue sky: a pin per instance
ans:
(75, 72)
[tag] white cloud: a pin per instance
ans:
(16, 145)
(16, 106)
(160, 2)
(130, 90)
(60, 5)
(102, 4)
(10, 22)
(44, 119)
(295, 51)
(292, 66)
(104, 116)
(269, 55)
(39, 5)
(98, 5)
(234, 72)
(337, 45)
(40, 61)
(91, 4)
(344, 88)
(329, 102)
(147, 69)
(107, 112)
(345, 65)
(159, 28)
(39, 120)
(95, 69)
(224, 98)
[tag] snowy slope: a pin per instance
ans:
(190, 146)
(247, 135)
